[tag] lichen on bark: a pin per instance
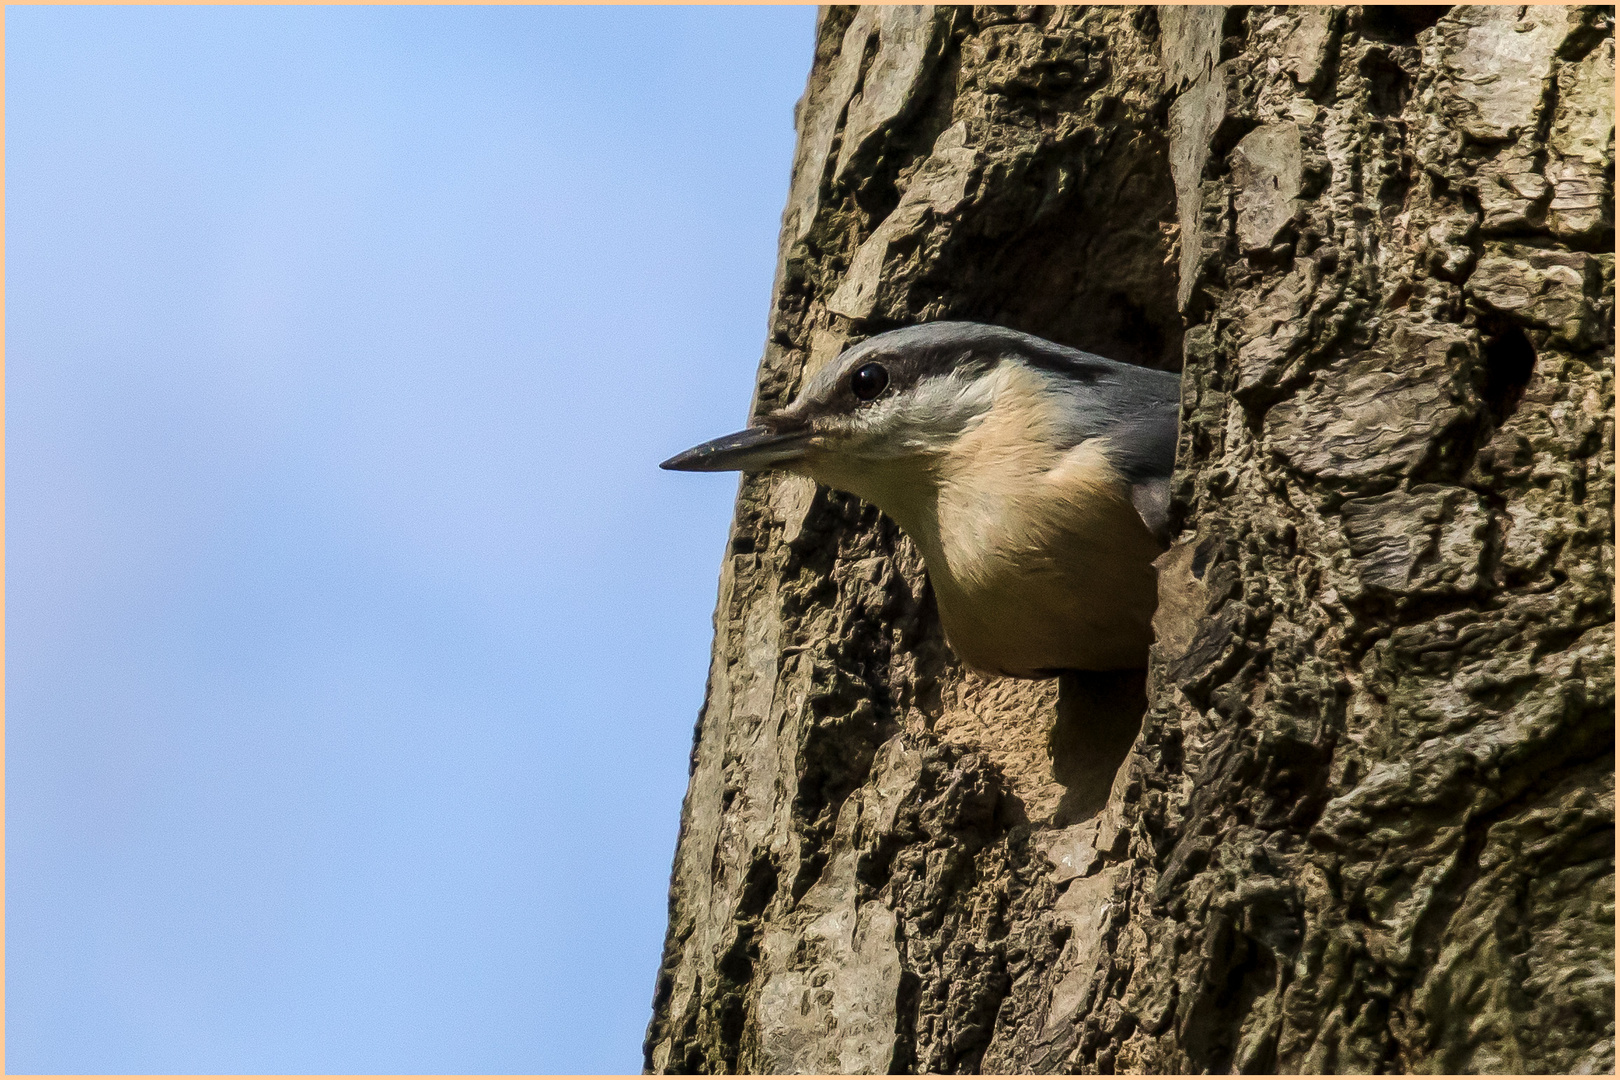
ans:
(1367, 821)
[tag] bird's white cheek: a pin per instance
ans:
(890, 485)
(841, 471)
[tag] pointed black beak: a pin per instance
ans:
(749, 451)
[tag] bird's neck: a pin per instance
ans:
(906, 489)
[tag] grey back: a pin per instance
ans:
(1135, 408)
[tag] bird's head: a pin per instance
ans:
(879, 415)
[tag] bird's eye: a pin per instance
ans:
(868, 381)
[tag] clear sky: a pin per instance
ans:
(354, 639)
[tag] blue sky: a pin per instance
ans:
(354, 638)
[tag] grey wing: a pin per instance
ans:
(1134, 409)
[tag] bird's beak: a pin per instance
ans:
(749, 451)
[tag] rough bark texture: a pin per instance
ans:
(1367, 822)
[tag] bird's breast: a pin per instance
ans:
(1041, 563)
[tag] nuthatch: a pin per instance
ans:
(1034, 478)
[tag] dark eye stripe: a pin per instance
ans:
(868, 381)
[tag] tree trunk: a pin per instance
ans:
(1367, 821)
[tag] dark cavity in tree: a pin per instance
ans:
(1387, 84)
(1510, 360)
(1399, 24)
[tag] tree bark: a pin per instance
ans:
(1366, 823)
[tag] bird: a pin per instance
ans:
(1034, 479)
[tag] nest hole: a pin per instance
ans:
(1510, 361)
(1399, 24)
